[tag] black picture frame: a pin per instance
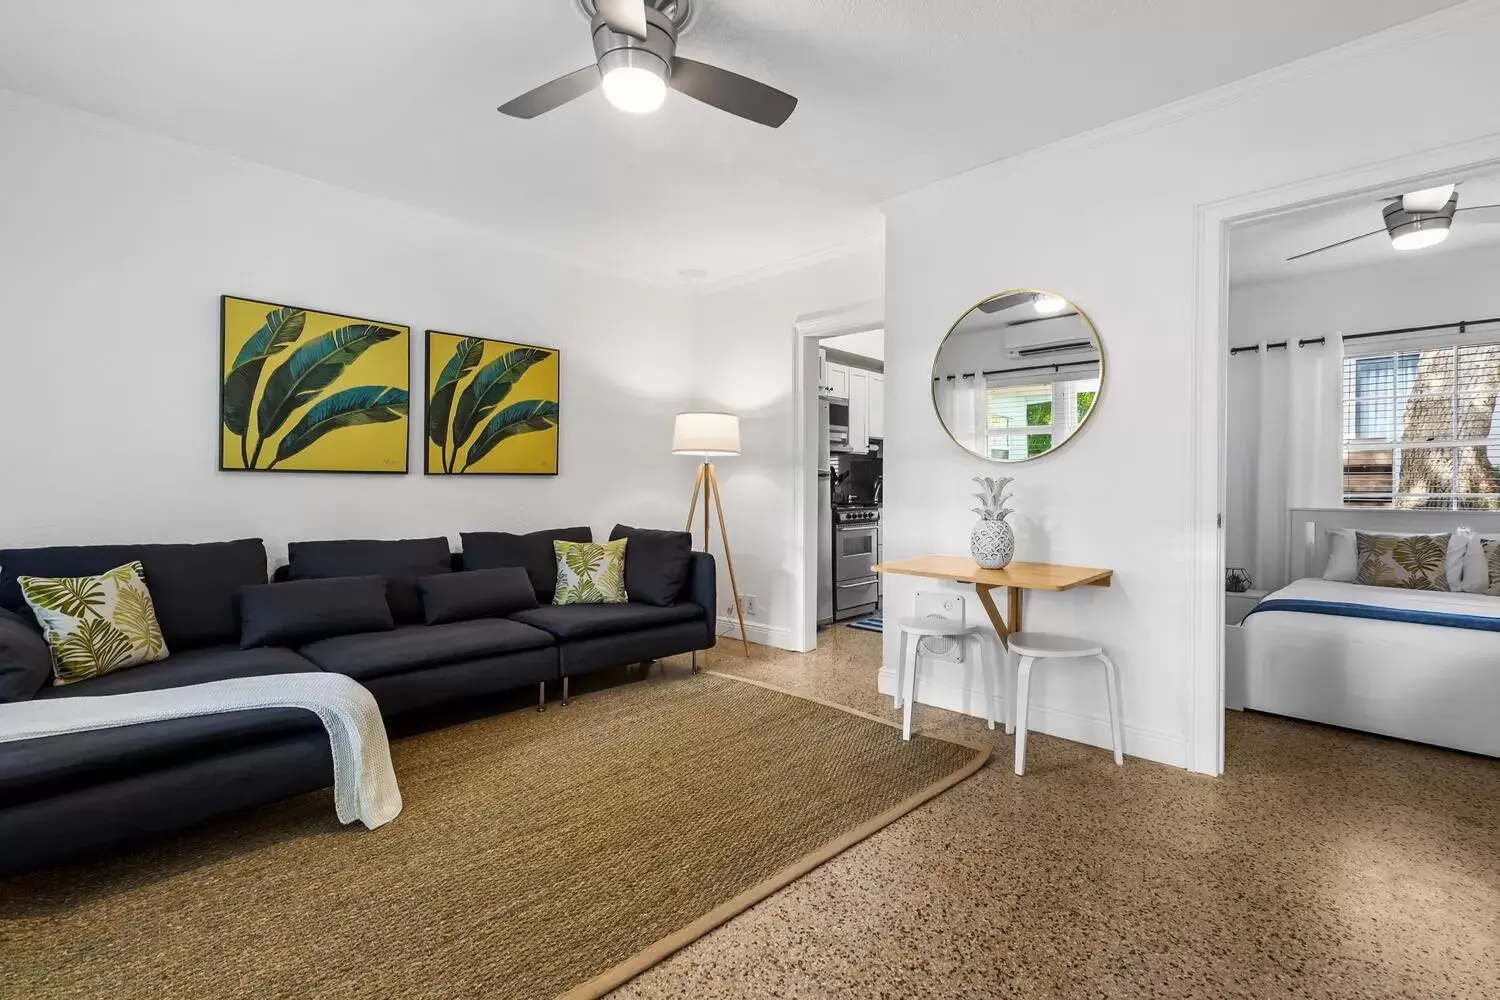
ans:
(427, 469)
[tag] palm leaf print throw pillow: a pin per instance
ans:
(590, 572)
(95, 625)
(1492, 561)
(1412, 562)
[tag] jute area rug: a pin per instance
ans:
(539, 855)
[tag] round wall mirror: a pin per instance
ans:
(1017, 375)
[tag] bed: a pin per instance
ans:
(1418, 665)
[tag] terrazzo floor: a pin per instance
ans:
(1322, 864)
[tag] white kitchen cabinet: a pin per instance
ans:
(876, 423)
(859, 410)
(837, 379)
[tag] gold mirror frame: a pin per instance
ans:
(1098, 344)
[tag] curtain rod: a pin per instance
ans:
(1462, 326)
(1029, 368)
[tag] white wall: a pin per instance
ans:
(114, 248)
(1118, 234)
(747, 365)
(1417, 289)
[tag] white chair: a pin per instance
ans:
(913, 630)
(1028, 647)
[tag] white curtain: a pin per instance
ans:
(961, 403)
(1290, 447)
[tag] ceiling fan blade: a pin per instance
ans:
(739, 95)
(554, 94)
(1487, 213)
(625, 17)
(1309, 253)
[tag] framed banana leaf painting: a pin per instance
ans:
(308, 391)
(492, 407)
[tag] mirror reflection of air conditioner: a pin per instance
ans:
(1047, 350)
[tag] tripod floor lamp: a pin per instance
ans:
(710, 435)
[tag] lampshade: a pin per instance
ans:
(706, 434)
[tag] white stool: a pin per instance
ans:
(1029, 647)
(912, 632)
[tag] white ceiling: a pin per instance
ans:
(397, 98)
(1258, 250)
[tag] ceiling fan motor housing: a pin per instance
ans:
(654, 53)
(1399, 222)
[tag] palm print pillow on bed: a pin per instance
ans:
(1412, 562)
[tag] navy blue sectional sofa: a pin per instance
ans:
(64, 796)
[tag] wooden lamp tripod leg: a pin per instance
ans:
(713, 484)
(693, 506)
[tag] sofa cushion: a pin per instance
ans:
(591, 572)
(656, 563)
(402, 563)
(475, 593)
(57, 765)
(299, 611)
(195, 588)
(195, 666)
(577, 621)
(491, 549)
(413, 647)
(95, 625)
(25, 661)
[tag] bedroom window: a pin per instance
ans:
(1420, 429)
(1019, 417)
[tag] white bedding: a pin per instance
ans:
(1429, 683)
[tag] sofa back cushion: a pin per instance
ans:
(402, 563)
(656, 563)
(532, 552)
(475, 593)
(299, 611)
(25, 660)
(195, 588)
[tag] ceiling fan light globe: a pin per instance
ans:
(1419, 239)
(634, 89)
(1048, 305)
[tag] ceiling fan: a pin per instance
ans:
(635, 53)
(1418, 219)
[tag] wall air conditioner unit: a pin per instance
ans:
(1048, 350)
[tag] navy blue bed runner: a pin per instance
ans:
(1446, 619)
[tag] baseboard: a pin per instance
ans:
(1093, 730)
(761, 635)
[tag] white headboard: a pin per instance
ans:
(1308, 533)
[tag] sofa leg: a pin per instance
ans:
(541, 696)
(695, 661)
(565, 693)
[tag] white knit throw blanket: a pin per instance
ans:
(364, 783)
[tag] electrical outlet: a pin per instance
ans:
(747, 606)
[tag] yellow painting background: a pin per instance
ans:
(368, 448)
(533, 453)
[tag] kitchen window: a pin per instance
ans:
(1420, 428)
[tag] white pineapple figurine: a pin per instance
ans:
(992, 543)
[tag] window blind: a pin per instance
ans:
(1420, 428)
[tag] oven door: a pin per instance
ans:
(854, 551)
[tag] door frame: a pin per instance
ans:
(807, 330)
(1209, 355)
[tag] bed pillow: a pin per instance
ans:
(1488, 547)
(1410, 562)
(1343, 558)
(1477, 575)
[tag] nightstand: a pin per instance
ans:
(1237, 606)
